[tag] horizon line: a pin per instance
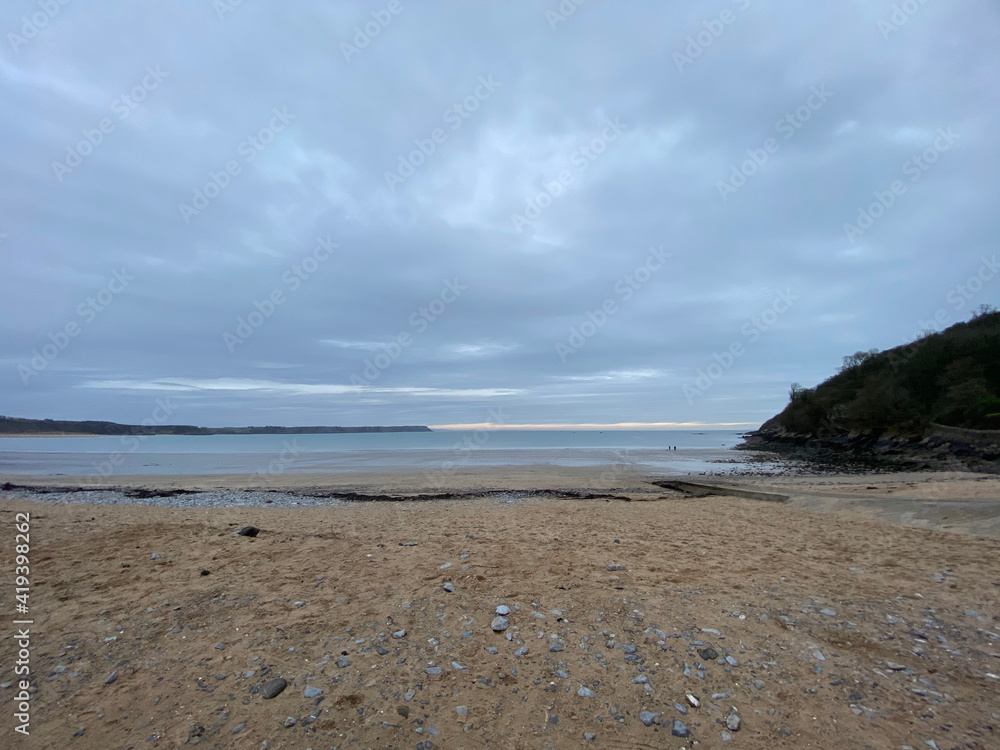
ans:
(594, 426)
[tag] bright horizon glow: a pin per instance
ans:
(591, 426)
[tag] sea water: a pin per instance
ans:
(643, 450)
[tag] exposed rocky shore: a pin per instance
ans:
(938, 449)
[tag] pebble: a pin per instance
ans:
(679, 730)
(343, 662)
(613, 566)
(445, 566)
(828, 612)
(461, 710)
(503, 610)
(648, 718)
(154, 556)
(726, 736)
(733, 722)
(239, 727)
(290, 721)
(499, 624)
(492, 650)
(399, 634)
(434, 671)
(312, 692)
(111, 677)
(458, 667)
(732, 662)
(521, 652)
(248, 531)
(708, 654)
(586, 692)
(408, 695)
(555, 647)
(640, 680)
(449, 587)
(589, 736)
(693, 701)
(274, 687)
(681, 708)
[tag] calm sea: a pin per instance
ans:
(423, 451)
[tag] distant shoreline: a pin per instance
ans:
(20, 427)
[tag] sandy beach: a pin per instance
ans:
(803, 626)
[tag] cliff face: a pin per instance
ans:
(929, 404)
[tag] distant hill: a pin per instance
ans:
(908, 395)
(17, 426)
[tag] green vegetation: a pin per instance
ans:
(950, 378)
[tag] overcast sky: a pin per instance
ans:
(617, 212)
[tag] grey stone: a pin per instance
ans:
(828, 612)
(343, 662)
(499, 624)
(708, 654)
(640, 680)
(503, 610)
(312, 692)
(613, 567)
(585, 692)
(449, 587)
(399, 634)
(521, 652)
(461, 710)
(679, 730)
(733, 722)
(290, 721)
(732, 662)
(648, 718)
(555, 646)
(274, 687)
(434, 671)
(681, 708)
